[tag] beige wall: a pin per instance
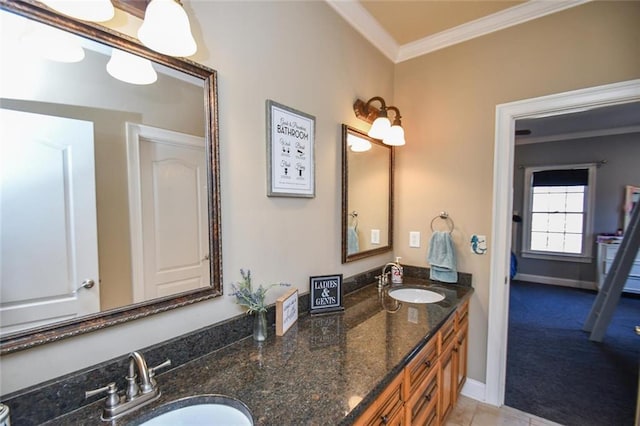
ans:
(303, 55)
(448, 101)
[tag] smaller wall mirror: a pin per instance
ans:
(367, 195)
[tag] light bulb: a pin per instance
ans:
(395, 136)
(166, 29)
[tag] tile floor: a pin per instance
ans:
(469, 412)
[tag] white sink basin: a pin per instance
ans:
(202, 410)
(415, 295)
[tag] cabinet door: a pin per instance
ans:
(448, 381)
(461, 350)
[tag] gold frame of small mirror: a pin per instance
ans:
(41, 335)
(347, 211)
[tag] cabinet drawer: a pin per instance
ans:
(388, 409)
(635, 268)
(422, 408)
(420, 366)
(447, 334)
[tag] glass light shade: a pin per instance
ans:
(87, 10)
(357, 144)
(166, 29)
(131, 68)
(395, 136)
(379, 128)
(53, 44)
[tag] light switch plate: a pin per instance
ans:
(414, 239)
(375, 236)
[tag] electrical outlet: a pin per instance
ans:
(414, 239)
(375, 236)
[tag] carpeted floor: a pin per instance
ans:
(555, 372)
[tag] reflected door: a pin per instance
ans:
(48, 231)
(174, 231)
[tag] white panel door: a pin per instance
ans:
(174, 221)
(48, 231)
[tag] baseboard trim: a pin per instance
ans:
(474, 389)
(563, 282)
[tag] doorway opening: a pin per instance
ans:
(506, 116)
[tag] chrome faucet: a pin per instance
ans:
(137, 394)
(383, 281)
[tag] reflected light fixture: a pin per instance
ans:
(381, 128)
(357, 144)
(166, 29)
(94, 10)
(131, 68)
(52, 43)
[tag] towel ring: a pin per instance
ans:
(444, 216)
(354, 219)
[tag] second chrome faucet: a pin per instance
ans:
(138, 393)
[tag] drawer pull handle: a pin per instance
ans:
(428, 397)
(384, 420)
(428, 363)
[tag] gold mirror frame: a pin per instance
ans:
(346, 257)
(41, 335)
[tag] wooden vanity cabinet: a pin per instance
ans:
(424, 393)
(388, 408)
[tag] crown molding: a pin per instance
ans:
(359, 18)
(498, 21)
(525, 140)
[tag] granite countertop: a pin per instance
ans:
(325, 370)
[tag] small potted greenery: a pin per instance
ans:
(254, 301)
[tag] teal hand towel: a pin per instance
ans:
(442, 258)
(353, 243)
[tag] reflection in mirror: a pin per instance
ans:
(109, 182)
(367, 195)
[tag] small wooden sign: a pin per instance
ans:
(325, 294)
(286, 311)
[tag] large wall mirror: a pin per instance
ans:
(367, 195)
(109, 190)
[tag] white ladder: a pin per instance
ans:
(605, 304)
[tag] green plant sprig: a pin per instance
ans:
(245, 296)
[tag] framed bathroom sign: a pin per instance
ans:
(325, 294)
(290, 152)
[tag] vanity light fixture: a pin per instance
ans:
(131, 68)
(94, 11)
(381, 128)
(166, 29)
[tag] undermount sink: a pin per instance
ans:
(415, 295)
(201, 409)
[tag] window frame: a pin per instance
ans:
(586, 254)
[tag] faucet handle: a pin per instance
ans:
(152, 370)
(112, 394)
